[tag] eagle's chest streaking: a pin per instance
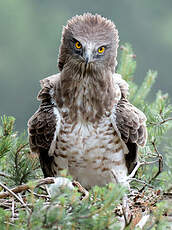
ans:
(89, 151)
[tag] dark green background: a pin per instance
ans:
(30, 33)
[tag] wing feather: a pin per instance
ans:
(42, 125)
(131, 123)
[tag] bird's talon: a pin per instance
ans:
(81, 189)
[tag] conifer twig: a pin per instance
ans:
(161, 122)
(17, 154)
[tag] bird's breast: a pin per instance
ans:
(89, 151)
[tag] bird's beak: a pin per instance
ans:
(88, 57)
(88, 54)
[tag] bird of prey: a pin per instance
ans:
(85, 123)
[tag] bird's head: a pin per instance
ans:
(89, 39)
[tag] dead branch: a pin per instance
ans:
(126, 212)
(143, 222)
(10, 192)
(5, 175)
(13, 210)
(25, 187)
(142, 182)
(39, 195)
(160, 165)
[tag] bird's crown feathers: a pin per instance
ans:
(91, 26)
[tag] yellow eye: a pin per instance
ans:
(101, 49)
(78, 45)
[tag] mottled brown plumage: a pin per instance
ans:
(85, 123)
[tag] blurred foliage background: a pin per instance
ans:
(30, 33)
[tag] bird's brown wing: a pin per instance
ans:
(131, 123)
(42, 126)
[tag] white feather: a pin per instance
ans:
(58, 123)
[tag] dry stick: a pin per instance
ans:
(126, 221)
(14, 195)
(47, 190)
(5, 175)
(142, 182)
(4, 205)
(9, 224)
(130, 178)
(126, 213)
(12, 209)
(132, 174)
(17, 189)
(24, 187)
(143, 221)
(168, 194)
(48, 180)
(20, 197)
(39, 195)
(160, 160)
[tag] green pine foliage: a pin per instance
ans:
(17, 163)
(66, 210)
(157, 111)
(5, 133)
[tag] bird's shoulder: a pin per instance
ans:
(48, 85)
(122, 85)
(130, 121)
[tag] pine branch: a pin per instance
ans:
(161, 122)
(145, 88)
(127, 63)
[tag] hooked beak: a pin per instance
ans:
(88, 56)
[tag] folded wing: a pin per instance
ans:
(43, 125)
(131, 123)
